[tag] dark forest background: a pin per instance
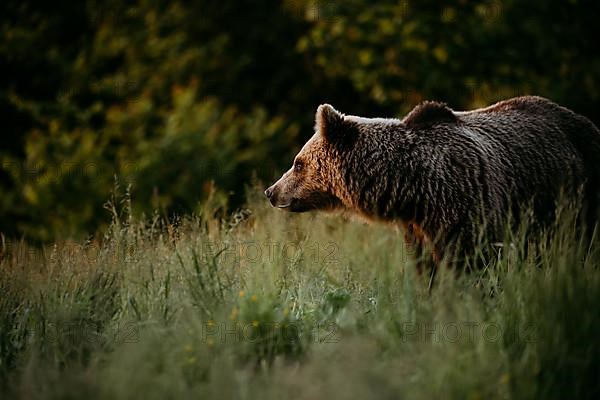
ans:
(188, 102)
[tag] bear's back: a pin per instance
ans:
(504, 156)
(538, 131)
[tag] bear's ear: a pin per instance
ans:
(328, 121)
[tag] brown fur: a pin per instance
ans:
(448, 177)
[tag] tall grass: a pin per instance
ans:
(272, 305)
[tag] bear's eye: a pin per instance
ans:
(298, 166)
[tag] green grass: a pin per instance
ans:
(311, 306)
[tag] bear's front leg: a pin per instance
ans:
(427, 257)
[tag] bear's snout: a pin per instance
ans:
(272, 195)
(279, 198)
(269, 192)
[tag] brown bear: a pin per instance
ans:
(448, 177)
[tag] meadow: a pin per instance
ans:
(269, 305)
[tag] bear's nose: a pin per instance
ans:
(269, 193)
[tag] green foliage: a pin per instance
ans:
(200, 143)
(466, 53)
(264, 306)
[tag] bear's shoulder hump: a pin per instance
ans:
(430, 113)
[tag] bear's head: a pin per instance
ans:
(315, 181)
